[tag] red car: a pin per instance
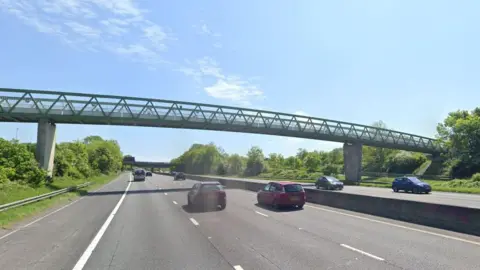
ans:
(207, 194)
(278, 194)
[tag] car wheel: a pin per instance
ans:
(189, 202)
(222, 206)
(317, 186)
(415, 191)
(395, 189)
(300, 206)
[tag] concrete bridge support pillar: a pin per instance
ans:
(46, 140)
(352, 158)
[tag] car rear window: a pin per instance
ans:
(293, 188)
(139, 172)
(211, 187)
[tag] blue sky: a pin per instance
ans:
(407, 63)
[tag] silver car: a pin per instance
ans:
(139, 175)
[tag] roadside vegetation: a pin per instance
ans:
(460, 133)
(91, 160)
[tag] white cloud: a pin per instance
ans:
(207, 72)
(117, 26)
(234, 90)
(203, 29)
(209, 67)
(83, 30)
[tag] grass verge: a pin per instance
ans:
(14, 192)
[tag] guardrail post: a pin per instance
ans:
(352, 158)
(46, 139)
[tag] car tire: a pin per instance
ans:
(415, 191)
(189, 203)
(317, 186)
(300, 206)
(223, 206)
(395, 189)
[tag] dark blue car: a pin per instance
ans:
(410, 184)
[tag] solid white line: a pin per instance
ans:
(261, 214)
(49, 214)
(397, 225)
(38, 219)
(237, 267)
(88, 252)
(174, 202)
(362, 252)
(194, 221)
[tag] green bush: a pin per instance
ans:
(19, 163)
(476, 177)
(473, 182)
(6, 174)
(74, 160)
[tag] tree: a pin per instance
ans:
(302, 153)
(201, 159)
(275, 161)
(255, 161)
(375, 158)
(19, 164)
(235, 164)
(312, 161)
(104, 156)
(335, 156)
(91, 139)
(460, 132)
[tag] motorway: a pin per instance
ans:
(448, 198)
(149, 227)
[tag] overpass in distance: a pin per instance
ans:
(48, 108)
(146, 164)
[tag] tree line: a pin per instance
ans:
(459, 132)
(89, 157)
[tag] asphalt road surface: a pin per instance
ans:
(150, 227)
(448, 198)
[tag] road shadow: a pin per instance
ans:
(132, 192)
(199, 209)
(284, 209)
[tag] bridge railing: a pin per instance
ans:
(17, 103)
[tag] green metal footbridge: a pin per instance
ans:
(32, 106)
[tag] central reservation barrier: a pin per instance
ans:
(449, 217)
